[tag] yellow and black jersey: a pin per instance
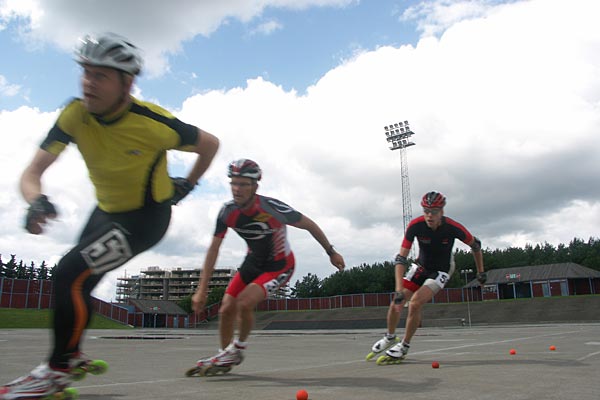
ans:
(126, 156)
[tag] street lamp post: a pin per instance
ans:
(466, 272)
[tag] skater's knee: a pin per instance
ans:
(414, 306)
(245, 306)
(227, 310)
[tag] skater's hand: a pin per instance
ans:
(337, 261)
(398, 301)
(482, 278)
(199, 300)
(183, 187)
(38, 214)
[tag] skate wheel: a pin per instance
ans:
(70, 394)
(211, 370)
(192, 371)
(370, 356)
(387, 360)
(97, 367)
(78, 373)
(65, 394)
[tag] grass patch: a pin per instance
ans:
(42, 319)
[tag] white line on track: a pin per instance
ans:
(588, 356)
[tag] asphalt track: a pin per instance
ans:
(475, 363)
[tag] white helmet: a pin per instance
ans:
(110, 50)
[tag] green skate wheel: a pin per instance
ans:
(65, 394)
(387, 360)
(97, 367)
(94, 367)
(370, 356)
(70, 394)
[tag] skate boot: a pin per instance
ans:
(43, 383)
(80, 365)
(220, 363)
(394, 355)
(383, 344)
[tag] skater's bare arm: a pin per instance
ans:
(311, 226)
(199, 298)
(475, 245)
(401, 264)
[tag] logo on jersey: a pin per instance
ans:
(108, 252)
(281, 207)
(424, 240)
(255, 230)
(262, 217)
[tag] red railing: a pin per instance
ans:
(22, 293)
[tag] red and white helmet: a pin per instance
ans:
(245, 168)
(433, 200)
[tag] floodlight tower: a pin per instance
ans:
(398, 135)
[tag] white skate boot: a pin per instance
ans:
(382, 344)
(42, 382)
(221, 363)
(394, 355)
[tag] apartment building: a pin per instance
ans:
(155, 283)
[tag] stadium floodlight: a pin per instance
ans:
(398, 135)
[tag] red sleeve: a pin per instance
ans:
(411, 232)
(461, 232)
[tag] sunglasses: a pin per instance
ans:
(432, 211)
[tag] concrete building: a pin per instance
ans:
(155, 283)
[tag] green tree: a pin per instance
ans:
(10, 268)
(186, 304)
(51, 272)
(43, 272)
(215, 295)
(21, 270)
(31, 272)
(309, 287)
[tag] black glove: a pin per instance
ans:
(183, 187)
(482, 277)
(399, 296)
(40, 208)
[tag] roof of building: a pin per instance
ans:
(157, 307)
(538, 273)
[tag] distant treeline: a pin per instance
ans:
(379, 277)
(22, 270)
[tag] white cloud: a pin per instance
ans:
(267, 28)
(505, 115)
(8, 89)
(144, 22)
(434, 17)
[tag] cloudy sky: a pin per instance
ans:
(503, 97)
